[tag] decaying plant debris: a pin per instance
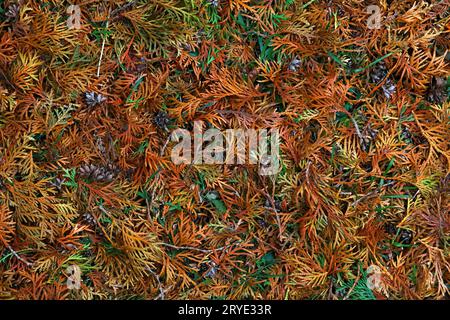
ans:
(86, 177)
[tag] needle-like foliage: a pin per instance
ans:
(86, 177)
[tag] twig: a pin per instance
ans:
(366, 196)
(102, 209)
(97, 223)
(358, 132)
(160, 287)
(164, 146)
(29, 264)
(353, 286)
(196, 249)
(272, 203)
(123, 8)
(101, 52)
(371, 194)
(2, 73)
(307, 4)
(331, 295)
(274, 209)
(147, 205)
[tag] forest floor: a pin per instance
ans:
(96, 203)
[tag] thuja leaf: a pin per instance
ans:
(70, 174)
(219, 205)
(213, 197)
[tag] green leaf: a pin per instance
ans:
(219, 205)
(370, 65)
(336, 59)
(396, 196)
(70, 174)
